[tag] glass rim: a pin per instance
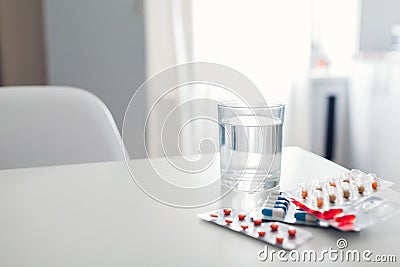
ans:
(236, 104)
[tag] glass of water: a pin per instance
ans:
(250, 139)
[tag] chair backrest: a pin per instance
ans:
(54, 125)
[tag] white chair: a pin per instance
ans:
(54, 125)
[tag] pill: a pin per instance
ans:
(257, 221)
(213, 215)
(228, 221)
(274, 226)
(374, 185)
(332, 184)
(280, 206)
(279, 239)
(283, 198)
(275, 193)
(227, 211)
(261, 233)
(361, 189)
(244, 226)
(346, 193)
(292, 231)
(371, 178)
(273, 212)
(304, 216)
(277, 206)
(332, 198)
(241, 216)
(304, 194)
(320, 202)
(271, 203)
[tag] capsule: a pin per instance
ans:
(273, 212)
(271, 203)
(304, 216)
(303, 192)
(241, 216)
(332, 193)
(331, 182)
(319, 200)
(359, 185)
(346, 190)
(316, 185)
(244, 226)
(275, 193)
(373, 180)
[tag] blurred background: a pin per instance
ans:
(336, 64)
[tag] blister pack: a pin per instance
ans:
(349, 189)
(349, 203)
(274, 233)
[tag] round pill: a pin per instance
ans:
(228, 221)
(261, 233)
(292, 231)
(213, 215)
(244, 226)
(274, 226)
(227, 211)
(241, 216)
(257, 221)
(279, 239)
(273, 212)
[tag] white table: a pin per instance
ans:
(95, 215)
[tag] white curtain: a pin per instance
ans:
(267, 41)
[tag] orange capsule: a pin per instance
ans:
(244, 226)
(332, 184)
(228, 221)
(274, 226)
(374, 185)
(304, 194)
(320, 202)
(261, 233)
(213, 215)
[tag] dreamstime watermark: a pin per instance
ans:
(339, 254)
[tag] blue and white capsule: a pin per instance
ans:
(273, 212)
(304, 216)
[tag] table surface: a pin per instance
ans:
(95, 215)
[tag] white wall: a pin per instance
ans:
(97, 45)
